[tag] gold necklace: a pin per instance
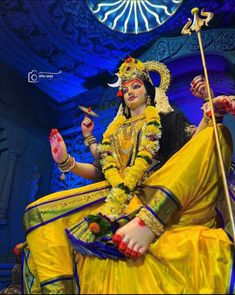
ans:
(129, 126)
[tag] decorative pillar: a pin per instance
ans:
(6, 187)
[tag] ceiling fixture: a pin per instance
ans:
(133, 16)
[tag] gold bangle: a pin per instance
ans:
(67, 168)
(89, 140)
(65, 162)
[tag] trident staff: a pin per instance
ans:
(187, 29)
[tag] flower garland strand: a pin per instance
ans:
(122, 188)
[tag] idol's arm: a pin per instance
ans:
(88, 171)
(66, 162)
(222, 104)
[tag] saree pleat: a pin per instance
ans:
(191, 256)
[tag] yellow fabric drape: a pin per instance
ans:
(190, 257)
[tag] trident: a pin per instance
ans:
(196, 26)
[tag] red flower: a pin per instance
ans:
(17, 251)
(95, 228)
(119, 93)
(129, 59)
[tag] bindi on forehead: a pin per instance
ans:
(129, 83)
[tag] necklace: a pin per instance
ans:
(130, 124)
(123, 186)
(127, 130)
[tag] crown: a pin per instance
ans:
(132, 68)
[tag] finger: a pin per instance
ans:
(197, 79)
(202, 89)
(199, 85)
(51, 133)
(54, 131)
(194, 79)
(88, 125)
(195, 93)
(86, 119)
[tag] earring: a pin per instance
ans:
(126, 111)
(148, 101)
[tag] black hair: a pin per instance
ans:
(173, 134)
(173, 128)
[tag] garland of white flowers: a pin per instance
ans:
(122, 187)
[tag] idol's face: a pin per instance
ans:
(134, 94)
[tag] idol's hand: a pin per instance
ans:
(58, 147)
(199, 88)
(87, 126)
(224, 104)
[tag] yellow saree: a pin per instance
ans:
(191, 256)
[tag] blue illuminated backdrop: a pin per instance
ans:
(64, 36)
(132, 16)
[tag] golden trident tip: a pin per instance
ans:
(197, 22)
(194, 10)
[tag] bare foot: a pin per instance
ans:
(134, 238)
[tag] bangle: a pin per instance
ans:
(89, 140)
(67, 167)
(65, 163)
(66, 160)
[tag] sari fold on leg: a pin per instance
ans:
(191, 256)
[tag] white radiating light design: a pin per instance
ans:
(133, 16)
